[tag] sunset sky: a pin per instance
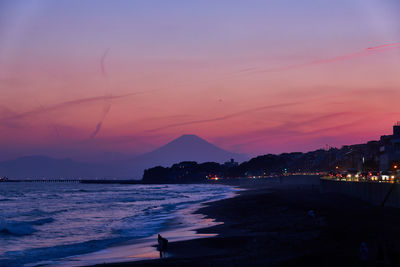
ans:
(83, 79)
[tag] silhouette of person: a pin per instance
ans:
(162, 245)
(380, 256)
(392, 255)
(363, 252)
(311, 213)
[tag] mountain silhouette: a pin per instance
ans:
(187, 147)
(184, 148)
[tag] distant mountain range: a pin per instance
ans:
(184, 148)
(188, 148)
(38, 167)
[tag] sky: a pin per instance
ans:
(94, 80)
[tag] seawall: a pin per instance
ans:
(375, 193)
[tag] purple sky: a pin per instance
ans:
(90, 79)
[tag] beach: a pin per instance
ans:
(287, 224)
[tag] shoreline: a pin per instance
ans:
(183, 226)
(269, 224)
(197, 232)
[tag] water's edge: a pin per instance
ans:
(181, 227)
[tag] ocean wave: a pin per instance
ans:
(152, 208)
(15, 228)
(21, 228)
(39, 212)
(42, 221)
(18, 258)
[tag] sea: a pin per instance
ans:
(42, 223)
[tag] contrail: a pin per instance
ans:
(106, 109)
(53, 125)
(292, 128)
(67, 104)
(102, 60)
(229, 116)
(367, 51)
(384, 46)
(96, 131)
(107, 105)
(56, 130)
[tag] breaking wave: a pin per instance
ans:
(21, 228)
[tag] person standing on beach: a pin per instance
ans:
(392, 255)
(380, 256)
(162, 245)
(363, 253)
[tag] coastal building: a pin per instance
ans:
(230, 164)
(361, 157)
(390, 150)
